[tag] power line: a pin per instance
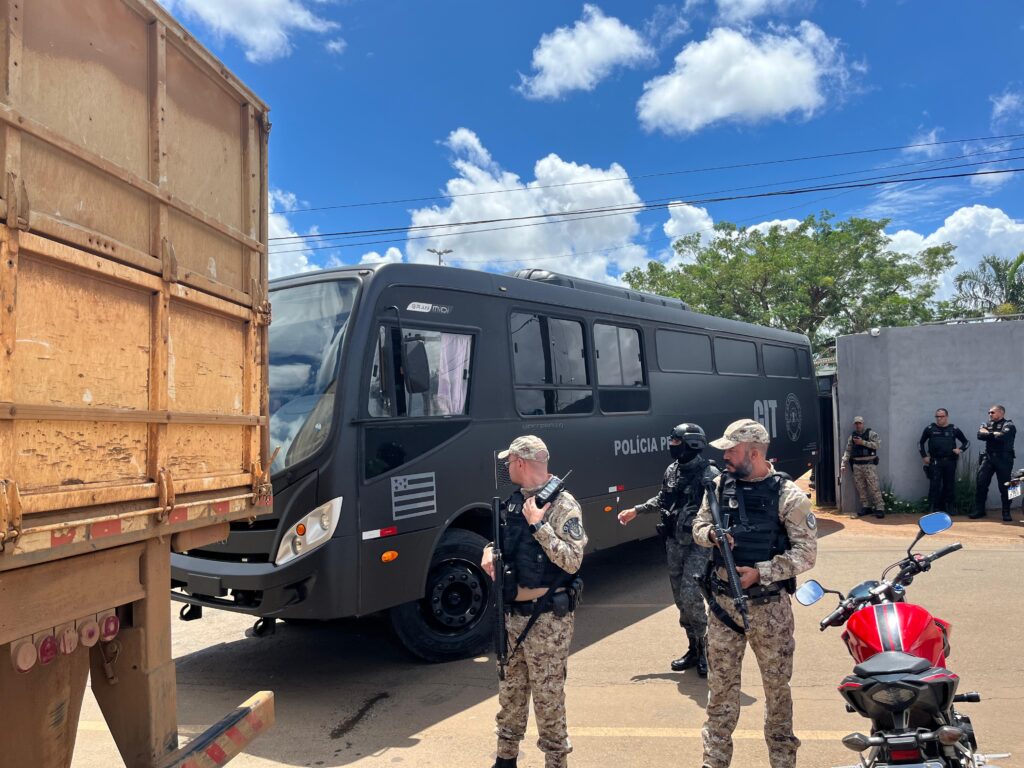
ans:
(848, 187)
(935, 164)
(657, 174)
(563, 216)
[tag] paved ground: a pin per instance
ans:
(348, 695)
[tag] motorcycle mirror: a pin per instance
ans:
(935, 523)
(810, 593)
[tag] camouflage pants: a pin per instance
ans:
(771, 637)
(686, 560)
(865, 477)
(537, 668)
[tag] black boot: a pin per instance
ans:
(879, 513)
(702, 659)
(505, 762)
(688, 659)
(976, 515)
(1006, 516)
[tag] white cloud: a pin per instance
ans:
(296, 259)
(926, 141)
(765, 227)
(739, 11)
(667, 23)
(391, 256)
(578, 58)
(1007, 108)
(336, 46)
(902, 201)
(688, 220)
(263, 27)
(975, 230)
(595, 248)
(731, 76)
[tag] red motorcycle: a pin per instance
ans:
(901, 682)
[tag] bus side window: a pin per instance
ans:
(444, 388)
(550, 365)
(379, 403)
(622, 384)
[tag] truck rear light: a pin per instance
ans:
(67, 639)
(88, 632)
(46, 647)
(23, 655)
(110, 625)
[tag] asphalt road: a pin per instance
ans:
(348, 695)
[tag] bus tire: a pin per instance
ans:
(454, 619)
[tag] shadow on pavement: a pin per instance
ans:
(363, 690)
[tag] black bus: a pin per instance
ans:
(392, 388)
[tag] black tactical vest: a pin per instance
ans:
(1001, 448)
(753, 514)
(689, 491)
(862, 451)
(941, 441)
(529, 564)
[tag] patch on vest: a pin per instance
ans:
(812, 521)
(573, 528)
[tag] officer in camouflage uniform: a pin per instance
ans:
(773, 538)
(862, 451)
(682, 491)
(543, 550)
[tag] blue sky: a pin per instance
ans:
(506, 110)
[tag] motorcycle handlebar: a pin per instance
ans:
(835, 616)
(944, 551)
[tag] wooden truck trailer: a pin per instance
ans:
(133, 329)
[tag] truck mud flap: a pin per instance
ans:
(227, 738)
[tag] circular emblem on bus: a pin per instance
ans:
(794, 416)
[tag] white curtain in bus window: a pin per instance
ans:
(448, 359)
(453, 373)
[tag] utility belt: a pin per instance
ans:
(673, 522)
(998, 456)
(865, 460)
(947, 457)
(560, 602)
(757, 594)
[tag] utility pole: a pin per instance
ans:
(439, 254)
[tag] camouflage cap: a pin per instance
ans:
(858, 419)
(529, 447)
(742, 431)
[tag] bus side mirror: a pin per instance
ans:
(416, 367)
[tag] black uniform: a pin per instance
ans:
(938, 443)
(678, 502)
(997, 460)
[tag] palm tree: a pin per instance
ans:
(995, 287)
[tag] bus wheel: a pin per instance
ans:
(452, 619)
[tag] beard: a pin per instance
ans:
(743, 467)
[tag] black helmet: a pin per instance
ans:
(691, 435)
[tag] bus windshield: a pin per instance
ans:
(306, 336)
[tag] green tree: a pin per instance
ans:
(820, 278)
(995, 287)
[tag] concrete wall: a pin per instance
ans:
(897, 379)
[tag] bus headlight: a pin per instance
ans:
(312, 531)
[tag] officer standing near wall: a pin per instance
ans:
(939, 451)
(773, 535)
(543, 551)
(862, 452)
(997, 434)
(680, 497)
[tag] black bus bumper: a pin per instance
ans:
(319, 585)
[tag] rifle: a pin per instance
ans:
(500, 633)
(739, 598)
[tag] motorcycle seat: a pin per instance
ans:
(891, 663)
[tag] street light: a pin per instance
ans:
(439, 254)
